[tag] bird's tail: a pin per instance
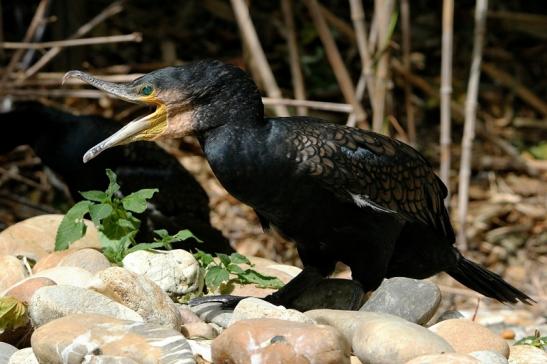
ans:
(486, 282)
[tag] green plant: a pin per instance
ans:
(114, 219)
(536, 340)
(226, 269)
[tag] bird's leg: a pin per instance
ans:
(309, 277)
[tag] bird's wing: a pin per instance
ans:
(373, 171)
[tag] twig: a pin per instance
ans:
(405, 28)
(446, 94)
(383, 11)
(54, 78)
(335, 59)
(366, 81)
(294, 57)
(318, 105)
(16, 176)
(470, 117)
(111, 10)
(250, 37)
(522, 91)
(35, 22)
(339, 24)
(398, 128)
(88, 94)
(134, 37)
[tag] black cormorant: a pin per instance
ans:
(340, 193)
(60, 139)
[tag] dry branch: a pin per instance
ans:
(250, 38)
(294, 56)
(134, 37)
(318, 105)
(335, 59)
(446, 94)
(470, 118)
(405, 28)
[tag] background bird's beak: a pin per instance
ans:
(146, 128)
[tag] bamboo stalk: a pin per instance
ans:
(335, 59)
(109, 11)
(250, 37)
(446, 94)
(294, 56)
(405, 28)
(470, 118)
(134, 37)
(318, 105)
(383, 10)
(366, 80)
(34, 23)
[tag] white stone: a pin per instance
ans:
(254, 308)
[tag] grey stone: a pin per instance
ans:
(489, 357)
(23, 356)
(334, 293)
(254, 308)
(449, 315)
(6, 351)
(213, 312)
(414, 300)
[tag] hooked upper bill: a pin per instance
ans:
(148, 127)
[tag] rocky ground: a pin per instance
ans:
(81, 309)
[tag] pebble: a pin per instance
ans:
(187, 315)
(255, 308)
(280, 341)
(508, 334)
(69, 276)
(202, 348)
(6, 351)
(448, 358)
(382, 338)
(333, 293)
(448, 315)
(527, 354)
(198, 330)
(53, 302)
(213, 312)
(489, 357)
(176, 271)
(51, 260)
(35, 237)
(89, 259)
(24, 289)
(139, 294)
(411, 299)
(90, 338)
(12, 271)
(466, 336)
(23, 356)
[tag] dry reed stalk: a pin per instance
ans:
(405, 29)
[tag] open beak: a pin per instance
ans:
(149, 127)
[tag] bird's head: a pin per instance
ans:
(189, 99)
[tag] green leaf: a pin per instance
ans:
(146, 246)
(203, 258)
(113, 185)
(97, 196)
(99, 212)
(234, 268)
(185, 234)
(162, 233)
(72, 226)
(239, 259)
(136, 201)
(215, 276)
(125, 223)
(262, 281)
(13, 314)
(224, 259)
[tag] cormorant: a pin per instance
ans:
(60, 138)
(340, 193)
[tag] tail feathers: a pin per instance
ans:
(486, 282)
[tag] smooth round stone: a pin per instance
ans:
(68, 276)
(51, 260)
(382, 338)
(198, 330)
(201, 348)
(527, 354)
(90, 338)
(449, 315)
(88, 259)
(489, 357)
(35, 237)
(333, 293)
(12, 271)
(466, 336)
(448, 358)
(213, 312)
(53, 302)
(411, 299)
(139, 294)
(187, 315)
(280, 341)
(176, 271)
(24, 289)
(6, 351)
(23, 356)
(255, 308)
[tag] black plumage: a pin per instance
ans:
(60, 139)
(340, 193)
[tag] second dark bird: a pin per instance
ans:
(342, 194)
(60, 138)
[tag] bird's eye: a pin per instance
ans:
(147, 90)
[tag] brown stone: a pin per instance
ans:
(466, 336)
(11, 272)
(50, 260)
(89, 259)
(198, 330)
(508, 334)
(527, 354)
(279, 341)
(448, 358)
(35, 237)
(24, 289)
